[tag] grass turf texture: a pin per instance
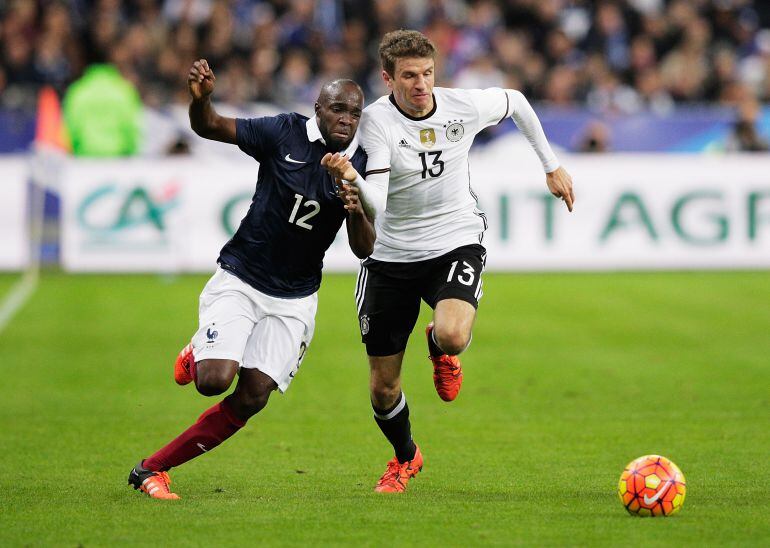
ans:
(569, 378)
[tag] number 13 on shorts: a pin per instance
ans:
(466, 275)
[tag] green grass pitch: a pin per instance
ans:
(569, 377)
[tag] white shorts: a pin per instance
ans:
(237, 322)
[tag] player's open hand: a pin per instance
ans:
(560, 184)
(200, 80)
(339, 166)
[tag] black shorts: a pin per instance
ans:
(388, 294)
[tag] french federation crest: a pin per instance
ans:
(455, 132)
(428, 137)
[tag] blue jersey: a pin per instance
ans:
(295, 212)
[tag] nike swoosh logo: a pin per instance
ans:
(289, 159)
(652, 500)
(203, 447)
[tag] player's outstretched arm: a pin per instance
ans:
(558, 180)
(204, 120)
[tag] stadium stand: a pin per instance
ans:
(615, 57)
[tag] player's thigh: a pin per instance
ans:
(454, 316)
(281, 337)
(387, 311)
(226, 318)
(452, 286)
(456, 275)
(254, 382)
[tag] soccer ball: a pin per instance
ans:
(652, 486)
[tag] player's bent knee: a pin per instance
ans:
(384, 395)
(212, 387)
(452, 342)
(213, 377)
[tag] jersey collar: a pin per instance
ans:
(314, 134)
(417, 119)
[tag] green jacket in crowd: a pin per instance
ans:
(103, 112)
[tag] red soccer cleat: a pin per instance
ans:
(154, 484)
(183, 366)
(447, 372)
(398, 474)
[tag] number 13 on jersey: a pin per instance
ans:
(436, 168)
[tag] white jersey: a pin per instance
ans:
(431, 208)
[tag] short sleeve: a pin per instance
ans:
(257, 137)
(492, 104)
(374, 140)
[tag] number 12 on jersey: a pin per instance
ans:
(314, 206)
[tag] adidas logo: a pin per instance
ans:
(403, 144)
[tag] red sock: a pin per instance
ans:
(213, 427)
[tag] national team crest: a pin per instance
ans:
(428, 137)
(455, 132)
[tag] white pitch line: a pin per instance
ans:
(22, 290)
(17, 296)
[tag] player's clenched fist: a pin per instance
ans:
(339, 166)
(200, 80)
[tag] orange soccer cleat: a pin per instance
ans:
(398, 474)
(155, 484)
(447, 372)
(183, 366)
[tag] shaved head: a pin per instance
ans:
(334, 88)
(338, 111)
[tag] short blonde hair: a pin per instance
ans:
(400, 44)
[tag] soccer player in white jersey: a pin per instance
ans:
(429, 229)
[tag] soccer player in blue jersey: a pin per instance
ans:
(256, 314)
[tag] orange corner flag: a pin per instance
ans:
(50, 131)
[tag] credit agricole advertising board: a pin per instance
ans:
(632, 212)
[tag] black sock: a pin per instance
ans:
(394, 423)
(432, 346)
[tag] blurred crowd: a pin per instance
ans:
(611, 55)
